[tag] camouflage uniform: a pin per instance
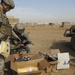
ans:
(21, 37)
(4, 20)
(4, 23)
(1, 35)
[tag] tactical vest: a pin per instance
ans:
(5, 28)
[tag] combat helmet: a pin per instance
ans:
(19, 27)
(10, 3)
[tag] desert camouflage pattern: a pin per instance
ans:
(10, 3)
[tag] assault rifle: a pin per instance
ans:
(20, 45)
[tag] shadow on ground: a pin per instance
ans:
(63, 46)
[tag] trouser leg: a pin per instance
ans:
(1, 65)
(28, 48)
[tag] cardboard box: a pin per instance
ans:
(34, 73)
(19, 68)
(48, 69)
(31, 55)
(63, 59)
(53, 64)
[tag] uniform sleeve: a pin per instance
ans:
(0, 16)
(3, 18)
(26, 36)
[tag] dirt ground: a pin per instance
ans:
(46, 38)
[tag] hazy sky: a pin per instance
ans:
(44, 10)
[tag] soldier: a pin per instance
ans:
(21, 41)
(5, 6)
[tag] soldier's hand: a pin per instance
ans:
(21, 44)
(32, 43)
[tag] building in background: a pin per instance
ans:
(13, 20)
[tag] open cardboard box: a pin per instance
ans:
(31, 55)
(25, 67)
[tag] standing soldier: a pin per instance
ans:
(5, 6)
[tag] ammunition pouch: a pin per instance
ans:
(6, 30)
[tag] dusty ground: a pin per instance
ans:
(46, 38)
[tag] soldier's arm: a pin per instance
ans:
(26, 36)
(13, 47)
